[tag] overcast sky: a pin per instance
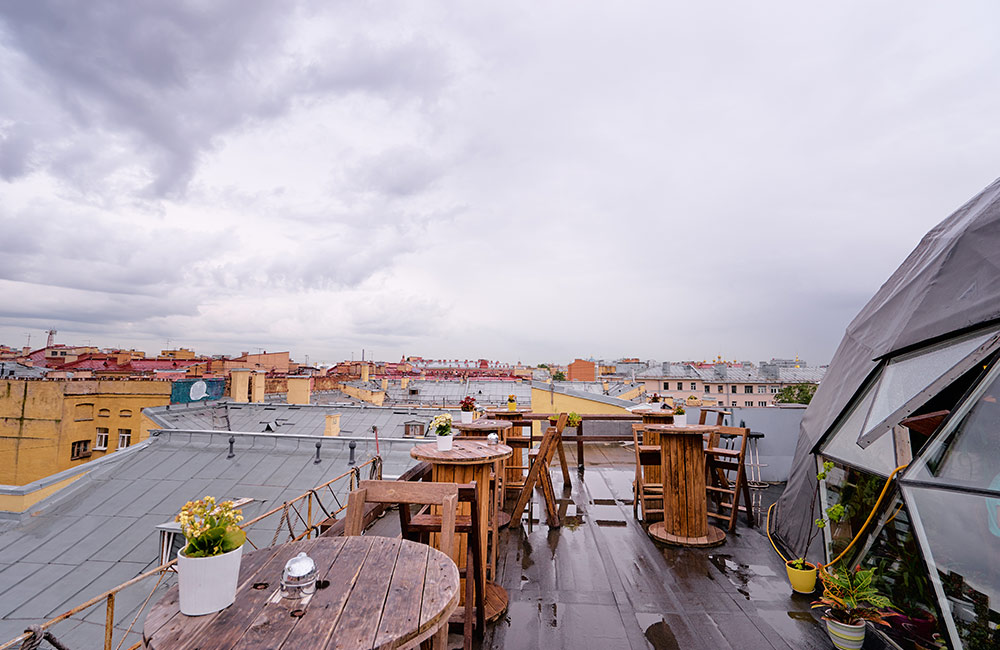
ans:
(525, 181)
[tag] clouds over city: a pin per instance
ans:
(243, 174)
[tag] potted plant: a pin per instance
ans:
(208, 567)
(680, 417)
(852, 600)
(442, 427)
(802, 574)
(468, 406)
(655, 398)
(511, 403)
(574, 419)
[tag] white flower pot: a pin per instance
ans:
(681, 420)
(846, 637)
(207, 584)
(444, 443)
(466, 417)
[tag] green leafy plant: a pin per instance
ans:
(798, 563)
(559, 375)
(655, 398)
(679, 410)
(852, 598)
(210, 528)
(441, 424)
(796, 394)
(574, 419)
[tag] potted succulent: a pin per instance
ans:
(680, 417)
(574, 419)
(852, 600)
(802, 574)
(511, 403)
(468, 406)
(208, 567)
(442, 428)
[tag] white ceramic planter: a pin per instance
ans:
(681, 420)
(846, 637)
(466, 417)
(207, 584)
(444, 442)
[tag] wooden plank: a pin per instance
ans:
(361, 615)
(437, 598)
(274, 624)
(401, 614)
(327, 604)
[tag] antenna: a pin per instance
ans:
(51, 339)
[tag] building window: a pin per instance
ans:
(680, 385)
(666, 385)
(774, 390)
(81, 449)
(748, 403)
(101, 442)
(413, 429)
(721, 389)
(734, 390)
(761, 389)
(125, 413)
(748, 390)
(761, 403)
(708, 389)
(694, 386)
(124, 438)
(84, 412)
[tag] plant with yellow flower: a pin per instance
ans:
(210, 528)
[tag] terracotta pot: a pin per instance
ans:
(207, 584)
(803, 580)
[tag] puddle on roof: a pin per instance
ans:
(604, 502)
(751, 580)
(610, 522)
(657, 632)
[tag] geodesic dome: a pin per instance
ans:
(915, 383)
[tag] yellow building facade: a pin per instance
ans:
(47, 426)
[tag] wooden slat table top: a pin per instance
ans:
(382, 593)
(688, 429)
(483, 424)
(464, 451)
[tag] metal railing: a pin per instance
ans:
(302, 511)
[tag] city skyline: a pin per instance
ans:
(525, 182)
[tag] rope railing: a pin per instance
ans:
(35, 634)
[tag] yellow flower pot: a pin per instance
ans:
(803, 580)
(511, 406)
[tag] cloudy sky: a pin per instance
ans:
(520, 180)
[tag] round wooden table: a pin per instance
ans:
(483, 427)
(378, 593)
(685, 501)
(471, 459)
(651, 437)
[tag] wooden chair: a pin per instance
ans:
(720, 415)
(419, 526)
(726, 479)
(524, 442)
(538, 474)
(406, 493)
(646, 495)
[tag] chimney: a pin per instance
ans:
(385, 384)
(332, 425)
(123, 357)
(404, 382)
(239, 385)
(298, 390)
(365, 372)
(257, 385)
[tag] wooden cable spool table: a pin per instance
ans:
(469, 460)
(685, 501)
(379, 593)
(481, 428)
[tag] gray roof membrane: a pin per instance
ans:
(100, 531)
(428, 391)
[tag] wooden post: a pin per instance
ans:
(109, 623)
(579, 446)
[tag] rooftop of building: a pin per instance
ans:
(764, 373)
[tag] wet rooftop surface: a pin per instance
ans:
(600, 582)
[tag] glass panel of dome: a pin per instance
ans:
(904, 377)
(965, 453)
(842, 445)
(959, 534)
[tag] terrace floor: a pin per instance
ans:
(600, 582)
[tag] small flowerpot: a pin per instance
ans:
(803, 580)
(846, 637)
(466, 417)
(680, 420)
(207, 584)
(511, 406)
(444, 442)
